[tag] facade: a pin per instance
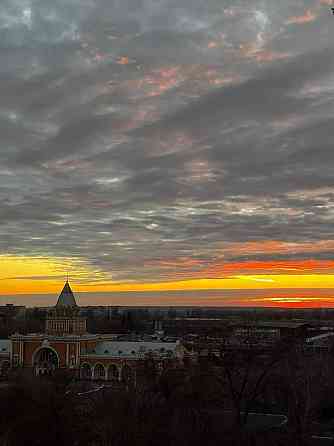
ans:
(266, 333)
(5, 348)
(66, 345)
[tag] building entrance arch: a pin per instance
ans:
(46, 361)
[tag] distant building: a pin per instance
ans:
(200, 325)
(267, 332)
(320, 343)
(67, 345)
(9, 312)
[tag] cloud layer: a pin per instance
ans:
(154, 140)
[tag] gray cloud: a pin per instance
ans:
(133, 132)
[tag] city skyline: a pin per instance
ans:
(176, 149)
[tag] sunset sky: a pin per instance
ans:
(167, 152)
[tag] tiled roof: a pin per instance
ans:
(319, 337)
(124, 349)
(66, 297)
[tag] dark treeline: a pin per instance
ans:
(143, 320)
(283, 397)
(30, 320)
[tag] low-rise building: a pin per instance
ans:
(67, 345)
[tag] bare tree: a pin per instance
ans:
(304, 379)
(245, 373)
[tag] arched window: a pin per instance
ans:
(113, 373)
(99, 372)
(85, 371)
(45, 361)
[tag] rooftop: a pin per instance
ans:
(135, 349)
(66, 297)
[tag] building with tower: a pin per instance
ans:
(64, 318)
(66, 345)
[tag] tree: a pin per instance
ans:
(245, 373)
(304, 380)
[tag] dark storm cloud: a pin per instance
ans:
(138, 131)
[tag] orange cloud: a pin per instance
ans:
(139, 117)
(308, 17)
(327, 2)
(291, 267)
(270, 56)
(256, 271)
(188, 268)
(276, 247)
(99, 57)
(164, 80)
(194, 79)
(252, 50)
(157, 82)
(124, 60)
(212, 44)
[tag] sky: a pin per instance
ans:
(167, 152)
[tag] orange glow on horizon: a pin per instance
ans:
(293, 267)
(40, 275)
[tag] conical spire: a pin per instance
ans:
(66, 297)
